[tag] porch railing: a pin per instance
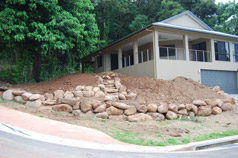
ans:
(172, 53)
(199, 55)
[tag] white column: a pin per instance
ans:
(119, 58)
(231, 51)
(212, 50)
(135, 52)
(156, 52)
(186, 46)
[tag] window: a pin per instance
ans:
(235, 52)
(198, 53)
(222, 51)
(163, 50)
(99, 61)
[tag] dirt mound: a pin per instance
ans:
(149, 90)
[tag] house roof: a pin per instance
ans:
(190, 14)
(163, 24)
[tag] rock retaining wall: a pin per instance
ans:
(109, 100)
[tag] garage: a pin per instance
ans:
(227, 80)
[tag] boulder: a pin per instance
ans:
(69, 101)
(117, 117)
(114, 111)
(117, 79)
(131, 96)
(36, 104)
(7, 95)
(189, 107)
(48, 96)
(204, 110)
(111, 90)
(17, 92)
(102, 115)
(62, 107)
(229, 100)
(181, 106)
(19, 99)
(171, 115)
(78, 113)
(141, 108)
(183, 112)
(79, 88)
(99, 94)
(101, 108)
(78, 93)
(49, 102)
(102, 87)
(219, 102)
(139, 117)
(220, 92)
(130, 111)
(199, 103)
(118, 84)
(110, 97)
(216, 110)
(68, 94)
(110, 81)
(26, 95)
(88, 88)
(163, 107)
(96, 89)
(156, 116)
(88, 93)
(173, 107)
(195, 109)
(152, 107)
(122, 88)
(89, 114)
(211, 102)
(228, 107)
(77, 105)
(119, 105)
(34, 97)
(58, 94)
(191, 114)
(86, 106)
(121, 96)
(3, 88)
(100, 80)
(216, 88)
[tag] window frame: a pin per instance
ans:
(219, 53)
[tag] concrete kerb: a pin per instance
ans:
(192, 147)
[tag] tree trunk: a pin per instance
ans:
(37, 67)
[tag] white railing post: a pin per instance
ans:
(196, 56)
(141, 56)
(176, 53)
(124, 61)
(129, 62)
(148, 57)
(203, 56)
(168, 53)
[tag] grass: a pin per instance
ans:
(135, 138)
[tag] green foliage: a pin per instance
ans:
(139, 22)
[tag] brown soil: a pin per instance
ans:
(149, 90)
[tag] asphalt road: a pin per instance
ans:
(12, 146)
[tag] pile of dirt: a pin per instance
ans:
(148, 90)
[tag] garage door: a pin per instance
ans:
(227, 80)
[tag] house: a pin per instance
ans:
(182, 45)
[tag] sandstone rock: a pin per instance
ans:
(131, 96)
(189, 107)
(62, 107)
(199, 103)
(117, 79)
(195, 109)
(204, 110)
(102, 115)
(106, 77)
(88, 93)
(220, 92)
(156, 116)
(89, 114)
(101, 108)
(88, 88)
(118, 117)
(114, 111)
(219, 102)
(58, 101)
(48, 96)
(119, 105)
(102, 87)
(211, 102)
(110, 81)
(216, 110)
(79, 88)
(78, 113)
(229, 100)
(58, 94)
(17, 92)
(181, 106)
(122, 88)
(152, 107)
(49, 102)
(7, 95)
(96, 89)
(228, 106)
(110, 98)
(100, 80)
(171, 115)
(36, 104)
(29, 103)
(163, 107)
(141, 108)
(216, 88)
(77, 106)
(130, 111)
(191, 114)
(117, 84)
(111, 90)
(173, 107)
(121, 96)
(68, 94)
(139, 117)
(19, 99)
(34, 97)
(78, 93)
(26, 95)
(99, 94)
(85, 106)
(183, 112)
(69, 101)
(3, 88)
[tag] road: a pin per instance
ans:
(12, 146)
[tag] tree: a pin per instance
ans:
(38, 29)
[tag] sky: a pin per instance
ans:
(224, 1)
